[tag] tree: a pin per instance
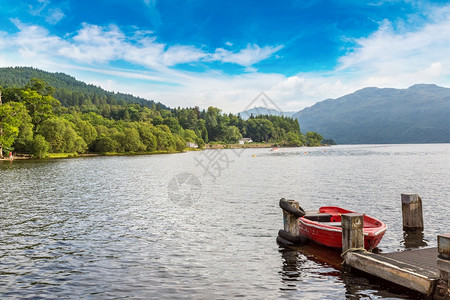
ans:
(38, 99)
(147, 137)
(313, 138)
(173, 124)
(292, 139)
(232, 134)
(85, 130)
(106, 144)
(61, 136)
(260, 130)
(39, 146)
(24, 140)
(40, 86)
(40, 107)
(11, 116)
(189, 135)
(132, 142)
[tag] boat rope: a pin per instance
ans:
(353, 250)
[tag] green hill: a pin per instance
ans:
(419, 114)
(68, 90)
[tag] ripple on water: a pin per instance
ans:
(105, 227)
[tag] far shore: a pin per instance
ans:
(238, 146)
(74, 155)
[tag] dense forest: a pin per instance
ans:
(68, 116)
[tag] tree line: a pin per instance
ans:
(34, 121)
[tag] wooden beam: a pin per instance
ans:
(412, 212)
(409, 276)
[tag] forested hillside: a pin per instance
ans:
(34, 120)
(68, 90)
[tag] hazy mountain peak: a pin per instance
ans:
(418, 114)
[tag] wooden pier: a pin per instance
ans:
(423, 270)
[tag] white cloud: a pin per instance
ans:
(388, 57)
(396, 55)
(51, 15)
(54, 16)
(247, 57)
(98, 44)
(182, 54)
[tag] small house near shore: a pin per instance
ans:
(245, 141)
(191, 145)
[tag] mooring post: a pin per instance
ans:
(412, 212)
(443, 263)
(352, 231)
(290, 221)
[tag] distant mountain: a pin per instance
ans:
(257, 111)
(419, 114)
(69, 91)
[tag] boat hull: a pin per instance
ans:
(330, 233)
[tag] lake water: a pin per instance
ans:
(203, 225)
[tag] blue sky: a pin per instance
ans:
(224, 53)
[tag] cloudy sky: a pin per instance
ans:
(225, 53)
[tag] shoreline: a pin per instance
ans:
(75, 155)
(240, 146)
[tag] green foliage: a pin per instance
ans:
(69, 91)
(293, 140)
(131, 141)
(313, 139)
(39, 146)
(40, 107)
(148, 138)
(232, 135)
(33, 121)
(260, 130)
(106, 144)
(12, 115)
(61, 136)
(189, 136)
(23, 142)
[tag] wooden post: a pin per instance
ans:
(352, 231)
(443, 263)
(290, 221)
(412, 212)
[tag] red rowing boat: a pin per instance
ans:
(324, 227)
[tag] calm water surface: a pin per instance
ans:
(116, 227)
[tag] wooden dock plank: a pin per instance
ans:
(423, 258)
(401, 273)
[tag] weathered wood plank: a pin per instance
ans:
(412, 277)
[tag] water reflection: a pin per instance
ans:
(307, 263)
(414, 239)
(360, 285)
(304, 268)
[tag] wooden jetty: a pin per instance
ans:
(423, 270)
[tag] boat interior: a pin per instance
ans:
(324, 218)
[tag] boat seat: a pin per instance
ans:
(335, 224)
(319, 217)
